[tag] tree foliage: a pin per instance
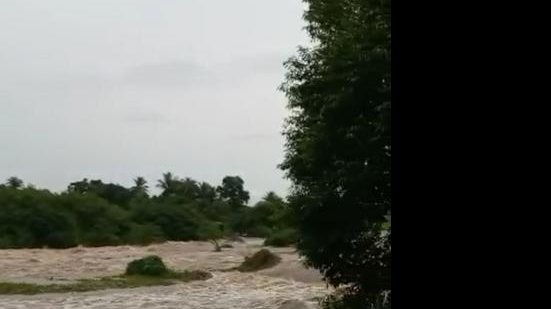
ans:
(140, 186)
(14, 182)
(338, 144)
(94, 213)
(232, 191)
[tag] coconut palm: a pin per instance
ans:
(167, 183)
(140, 185)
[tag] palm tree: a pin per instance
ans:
(188, 187)
(167, 183)
(140, 185)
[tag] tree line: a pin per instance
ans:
(95, 213)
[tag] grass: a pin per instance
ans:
(113, 282)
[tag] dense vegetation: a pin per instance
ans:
(338, 148)
(94, 213)
(151, 265)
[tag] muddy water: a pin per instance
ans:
(265, 289)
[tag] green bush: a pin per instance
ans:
(260, 260)
(143, 234)
(282, 238)
(149, 266)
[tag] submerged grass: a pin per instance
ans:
(113, 282)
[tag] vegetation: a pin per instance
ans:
(114, 282)
(94, 213)
(148, 266)
(283, 238)
(338, 147)
(260, 260)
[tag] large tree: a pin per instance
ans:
(232, 190)
(338, 145)
(14, 182)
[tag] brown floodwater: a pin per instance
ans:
(268, 288)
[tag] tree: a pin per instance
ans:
(79, 186)
(232, 191)
(213, 232)
(207, 192)
(14, 182)
(167, 183)
(338, 145)
(272, 197)
(187, 188)
(113, 193)
(140, 186)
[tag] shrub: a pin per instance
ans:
(282, 238)
(143, 234)
(260, 260)
(149, 266)
(177, 222)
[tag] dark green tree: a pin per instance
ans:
(207, 192)
(78, 186)
(167, 183)
(338, 145)
(113, 193)
(140, 186)
(187, 188)
(232, 191)
(14, 183)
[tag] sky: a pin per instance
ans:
(115, 89)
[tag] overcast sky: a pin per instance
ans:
(114, 89)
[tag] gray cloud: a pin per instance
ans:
(169, 74)
(147, 118)
(116, 89)
(256, 137)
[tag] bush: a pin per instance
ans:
(282, 238)
(260, 260)
(99, 223)
(143, 234)
(149, 266)
(177, 222)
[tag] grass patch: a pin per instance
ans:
(113, 282)
(260, 260)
